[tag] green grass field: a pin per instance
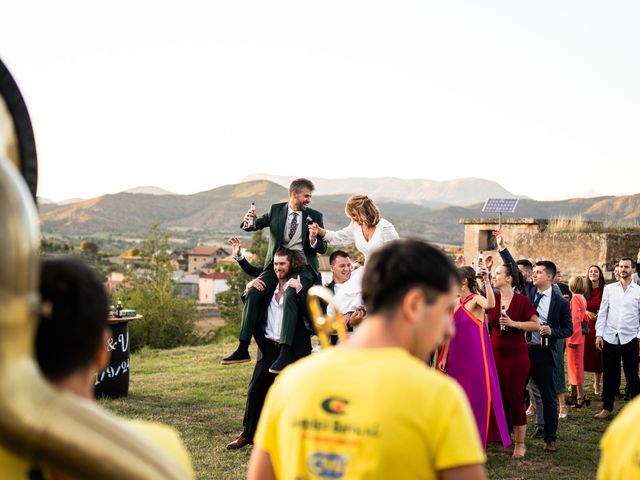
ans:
(189, 389)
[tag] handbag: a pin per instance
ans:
(585, 327)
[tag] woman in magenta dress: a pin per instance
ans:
(512, 315)
(593, 356)
(467, 357)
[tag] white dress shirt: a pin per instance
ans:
(619, 316)
(275, 314)
(543, 313)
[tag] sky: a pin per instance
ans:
(541, 97)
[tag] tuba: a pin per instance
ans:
(50, 428)
(325, 324)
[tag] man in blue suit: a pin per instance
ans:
(555, 323)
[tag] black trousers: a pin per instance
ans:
(542, 365)
(611, 355)
(258, 387)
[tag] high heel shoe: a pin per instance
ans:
(581, 401)
(571, 399)
(562, 412)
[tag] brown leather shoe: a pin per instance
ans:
(239, 443)
(550, 447)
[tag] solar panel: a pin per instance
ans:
(500, 205)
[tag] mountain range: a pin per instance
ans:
(429, 193)
(217, 213)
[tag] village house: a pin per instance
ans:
(205, 257)
(117, 279)
(186, 284)
(210, 285)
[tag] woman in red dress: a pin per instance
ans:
(515, 313)
(593, 356)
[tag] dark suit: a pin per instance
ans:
(543, 361)
(276, 220)
(249, 268)
(261, 379)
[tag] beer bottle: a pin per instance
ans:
(252, 221)
(503, 313)
(480, 260)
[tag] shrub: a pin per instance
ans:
(168, 319)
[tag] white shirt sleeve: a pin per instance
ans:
(603, 313)
(340, 237)
(389, 232)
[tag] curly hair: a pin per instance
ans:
(297, 260)
(361, 208)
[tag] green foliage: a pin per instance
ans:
(89, 247)
(204, 401)
(259, 245)
(168, 319)
(230, 305)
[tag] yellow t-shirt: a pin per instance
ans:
(366, 413)
(165, 437)
(620, 446)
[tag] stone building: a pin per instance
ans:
(530, 238)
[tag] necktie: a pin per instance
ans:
(293, 226)
(536, 302)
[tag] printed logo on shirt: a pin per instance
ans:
(328, 465)
(335, 405)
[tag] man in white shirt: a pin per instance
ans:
(341, 268)
(617, 334)
(287, 265)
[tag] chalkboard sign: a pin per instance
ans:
(113, 382)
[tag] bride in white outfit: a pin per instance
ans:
(367, 231)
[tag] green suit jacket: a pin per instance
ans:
(276, 220)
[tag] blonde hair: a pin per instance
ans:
(578, 285)
(362, 208)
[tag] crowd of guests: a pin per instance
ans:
(502, 334)
(516, 326)
(593, 325)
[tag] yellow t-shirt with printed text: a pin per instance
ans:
(620, 446)
(366, 413)
(166, 438)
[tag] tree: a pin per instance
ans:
(168, 319)
(89, 247)
(259, 246)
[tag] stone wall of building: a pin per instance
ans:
(572, 252)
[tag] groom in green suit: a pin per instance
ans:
(295, 226)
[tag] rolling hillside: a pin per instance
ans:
(218, 212)
(428, 193)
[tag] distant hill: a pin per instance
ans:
(148, 190)
(429, 193)
(218, 212)
(69, 201)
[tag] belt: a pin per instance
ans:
(273, 342)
